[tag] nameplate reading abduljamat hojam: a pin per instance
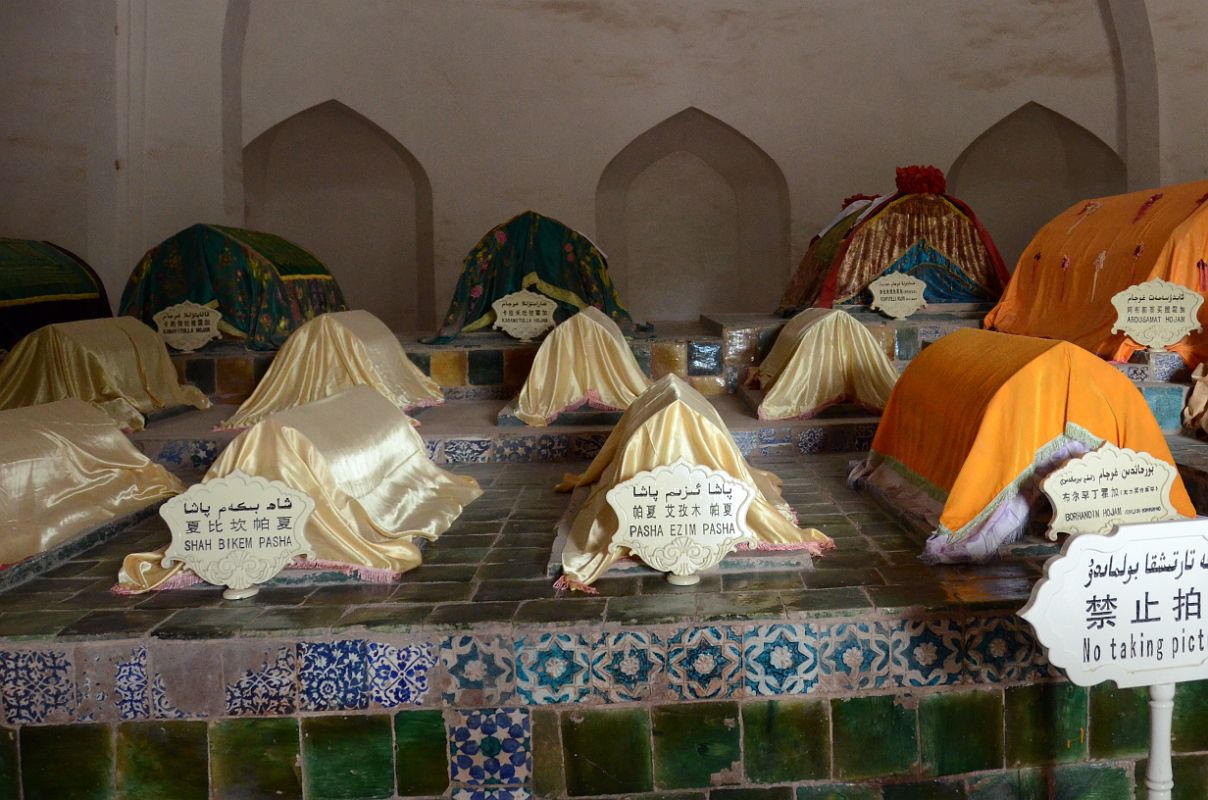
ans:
(187, 326)
(681, 519)
(237, 531)
(898, 295)
(524, 315)
(1157, 313)
(1108, 487)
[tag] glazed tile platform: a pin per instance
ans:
(868, 676)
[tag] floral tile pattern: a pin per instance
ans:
(161, 706)
(111, 683)
(705, 663)
(332, 676)
(516, 449)
(857, 655)
(188, 453)
(36, 686)
(552, 668)
(998, 649)
(552, 447)
(269, 689)
(490, 746)
(467, 451)
(780, 659)
(811, 440)
(493, 793)
(745, 441)
(399, 675)
(587, 445)
(626, 664)
(130, 686)
(480, 669)
(929, 652)
(433, 448)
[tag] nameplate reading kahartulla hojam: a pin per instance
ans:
(681, 519)
(1110, 486)
(187, 326)
(524, 315)
(898, 295)
(1129, 608)
(1157, 313)
(237, 531)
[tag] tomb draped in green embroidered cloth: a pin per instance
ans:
(531, 252)
(264, 286)
(41, 283)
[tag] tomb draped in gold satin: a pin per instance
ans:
(669, 422)
(65, 469)
(375, 489)
(119, 365)
(823, 357)
(584, 361)
(331, 353)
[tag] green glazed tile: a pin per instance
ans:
(1119, 721)
(20, 624)
(1092, 782)
(961, 732)
(925, 790)
(422, 754)
(1046, 723)
(606, 751)
(485, 367)
(67, 762)
(838, 791)
(162, 759)
(667, 796)
(696, 744)
(548, 780)
(1021, 784)
(461, 615)
(786, 740)
(347, 758)
(255, 758)
(753, 793)
(1190, 777)
(1189, 733)
(651, 610)
(387, 619)
(873, 737)
(10, 783)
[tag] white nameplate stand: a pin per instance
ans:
(1127, 608)
(898, 295)
(187, 326)
(1157, 313)
(1107, 487)
(237, 531)
(681, 519)
(524, 315)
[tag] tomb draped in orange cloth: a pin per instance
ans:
(1064, 281)
(978, 418)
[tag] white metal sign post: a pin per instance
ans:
(1127, 607)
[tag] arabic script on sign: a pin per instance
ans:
(524, 315)
(1157, 313)
(898, 295)
(187, 326)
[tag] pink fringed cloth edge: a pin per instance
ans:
(591, 400)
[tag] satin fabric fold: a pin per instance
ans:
(118, 365)
(669, 422)
(330, 354)
(65, 469)
(583, 361)
(374, 487)
(977, 412)
(823, 357)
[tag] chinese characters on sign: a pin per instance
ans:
(681, 519)
(1157, 313)
(1110, 486)
(237, 531)
(187, 326)
(524, 315)
(898, 295)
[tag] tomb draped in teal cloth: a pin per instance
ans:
(946, 282)
(265, 286)
(531, 252)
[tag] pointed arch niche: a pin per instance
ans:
(694, 217)
(343, 188)
(1028, 167)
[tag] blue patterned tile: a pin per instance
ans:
(37, 686)
(188, 453)
(332, 676)
(780, 659)
(490, 746)
(433, 448)
(998, 650)
(131, 687)
(587, 445)
(399, 675)
(112, 683)
(625, 665)
(267, 688)
(493, 793)
(704, 358)
(705, 663)
(929, 652)
(857, 655)
(516, 449)
(745, 441)
(480, 669)
(553, 668)
(811, 440)
(467, 451)
(552, 447)
(161, 706)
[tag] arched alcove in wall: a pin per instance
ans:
(1027, 168)
(343, 188)
(694, 217)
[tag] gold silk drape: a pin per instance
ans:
(329, 354)
(65, 469)
(669, 422)
(585, 360)
(118, 365)
(823, 357)
(375, 489)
